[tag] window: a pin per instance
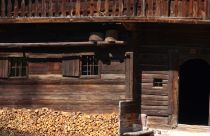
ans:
(18, 67)
(84, 66)
(158, 82)
(89, 65)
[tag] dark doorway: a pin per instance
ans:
(194, 92)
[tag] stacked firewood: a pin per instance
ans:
(48, 122)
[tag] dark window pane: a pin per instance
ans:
(23, 73)
(12, 72)
(157, 82)
(17, 74)
(18, 67)
(89, 65)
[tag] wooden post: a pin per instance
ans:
(129, 75)
(173, 88)
(135, 6)
(143, 8)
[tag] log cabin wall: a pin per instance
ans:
(159, 51)
(47, 86)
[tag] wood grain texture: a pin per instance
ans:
(89, 98)
(129, 74)
(157, 122)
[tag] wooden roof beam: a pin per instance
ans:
(60, 44)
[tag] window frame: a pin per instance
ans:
(10, 67)
(80, 65)
(90, 76)
(157, 83)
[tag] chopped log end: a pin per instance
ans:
(49, 122)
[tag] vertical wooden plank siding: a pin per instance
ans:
(208, 9)
(128, 8)
(44, 10)
(99, 7)
(129, 75)
(143, 7)
(121, 7)
(184, 8)
(106, 7)
(23, 8)
(9, 8)
(78, 8)
(16, 8)
(29, 8)
(150, 8)
(176, 8)
(191, 8)
(2, 8)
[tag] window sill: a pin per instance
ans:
(89, 77)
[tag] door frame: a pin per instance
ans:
(175, 61)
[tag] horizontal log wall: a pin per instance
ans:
(85, 98)
(154, 100)
(46, 87)
(153, 46)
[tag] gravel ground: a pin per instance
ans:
(47, 122)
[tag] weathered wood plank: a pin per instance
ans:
(106, 7)
(154, 97)
(152, 76)
(44, 8)
(156, 121)
(74, 97)
(129, 74)
(23, 8)
(52, 79)
(30, 8)
(154, 92)
(59, 44)
(9, 8)
(78, 7)
(154, 102)
(3, 8)
(115, 67)
(173, 87)
(144, 107)
(85, 88)
(121, 6)
(155, 112)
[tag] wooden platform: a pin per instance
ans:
(184, 130)
(55, 11)
(193, 128)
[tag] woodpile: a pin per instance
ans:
(47, 122)
(96, 36)
(111, 36)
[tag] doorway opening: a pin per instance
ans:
(194, 85)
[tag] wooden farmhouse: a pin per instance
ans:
(151, 56)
